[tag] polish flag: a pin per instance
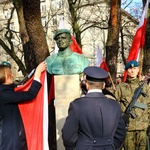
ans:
(35, 116)
(139, 38)
(74, 46)
(100, 61)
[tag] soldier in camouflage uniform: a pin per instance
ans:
(136, 138)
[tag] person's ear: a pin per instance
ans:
(87, 86)
(104, 85)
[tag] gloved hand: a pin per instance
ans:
(126, 119)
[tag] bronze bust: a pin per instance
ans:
(65, 62)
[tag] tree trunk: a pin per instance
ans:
(37, 45)
(112, 44)
(29, 58)
(146, 62)
(146, 58)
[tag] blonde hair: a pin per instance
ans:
(5, 71)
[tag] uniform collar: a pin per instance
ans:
(95, 90)
(133, 81)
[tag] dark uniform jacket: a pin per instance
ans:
(94, 122)
(12, 135)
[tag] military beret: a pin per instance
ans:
(6, 63)
(95, 74)
(131, 64)
(60, 31)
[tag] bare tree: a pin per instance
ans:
(112, 44)
(146, 62)
(126, 35)
(86, 15)
(31, 32)
(38, 44)
(89, 16)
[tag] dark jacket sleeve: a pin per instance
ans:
(8, 95)
(120, 134)
(70, 129)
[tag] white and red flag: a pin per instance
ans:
(75, 46)
(139, 38)
(35, 116)
(100, 61)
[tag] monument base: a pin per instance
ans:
(67, 89)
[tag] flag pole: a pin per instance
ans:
(141, 63)
(111, 81)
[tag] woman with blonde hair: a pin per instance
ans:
(12, 134)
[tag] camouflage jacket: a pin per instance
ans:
(124, 93)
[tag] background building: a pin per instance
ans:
(55, 10)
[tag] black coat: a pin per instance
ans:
(94, 122)
(12, 135)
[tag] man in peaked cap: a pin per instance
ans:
(94, 121)
(95, 74)
(65, 62)
(136, 138)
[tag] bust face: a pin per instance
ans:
(63, 41)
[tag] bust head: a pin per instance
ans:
(65, 61)
(62, 38)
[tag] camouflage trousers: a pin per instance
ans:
(135, 140)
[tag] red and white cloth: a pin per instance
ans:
(100, 61)
(35, 116)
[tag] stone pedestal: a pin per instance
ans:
(66, 90)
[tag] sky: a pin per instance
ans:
(139, 1)
(132, 3)
(134, 8)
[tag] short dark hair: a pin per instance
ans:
(96, 84)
